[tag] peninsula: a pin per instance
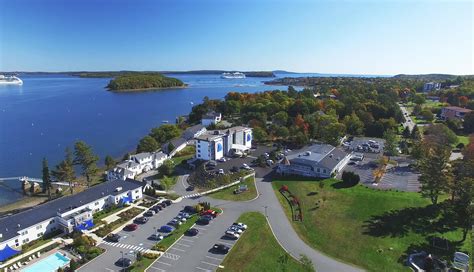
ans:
(140, 82)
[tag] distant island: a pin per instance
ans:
(143, 81)
(105, 74)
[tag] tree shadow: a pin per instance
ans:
(312, 193)
(422, 220)
(342, 185)
(436, 246)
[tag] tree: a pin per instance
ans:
(282, 132)
(259, 134)
(419, 99)
(65, 170)
(333, 133)
(280, 118)
(165, 133)
(354, 125)
(390, 142)
(46, 178)
(435, 171)
(86, 159)
(167, 168)
(417, 109)
(109, 162)
(147, 144)
(469, 122)
(427, 115)
(406, 132)
(463, 206)
(440, 134)
(415, 133)
(350, 178)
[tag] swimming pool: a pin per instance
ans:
(49, 264)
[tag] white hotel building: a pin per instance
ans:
(215, 144)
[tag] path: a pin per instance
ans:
(408, 121)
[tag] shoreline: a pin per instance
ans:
(22, 204)
(147, 89)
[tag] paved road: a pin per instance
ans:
(408, 121)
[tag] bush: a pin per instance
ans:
(350, 178)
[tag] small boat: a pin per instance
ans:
(10, 80)
(165, 121)
(233, 75)
(192, 103)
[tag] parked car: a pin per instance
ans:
(192, 232)
(149, 213)
(205, 219)
(166, 229)
(113, 237)
(232, 235)
(189, 209)
(155, 209)
(174, 222)
(141, 220)
(158, 207)
(190, 188)
(123, 262)
(156, 236)
(246, 166)
(222, 159)
(168, 202)
(212, 213)
(180, 218)
(235, 229)
(221, 171)
(184, 214)
(220, 248)
(240, 225)
(212, 163)
(131, 227)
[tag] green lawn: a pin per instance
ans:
(250, 255)
(141, 265)
(463, 139)
(228, 193)
(371, 228)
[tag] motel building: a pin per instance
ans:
(216, 144)
(66, 214)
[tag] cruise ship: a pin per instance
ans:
(10, 80)
(233, 75)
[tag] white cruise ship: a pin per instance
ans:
(233, 75)
(10, 80)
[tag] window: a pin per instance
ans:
(26, 240)
(51, 222)
(24, 232)
(38, 227)
(39, 235)
(199, 155)
(324, 171)
(319, 170)
(97, 203)
(16, 241)
(136, 191)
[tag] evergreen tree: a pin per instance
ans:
(65, 170)
(435, 172)
(46, 178)
(406, 132)
(415, 133)
(85, 157)
(109, 162)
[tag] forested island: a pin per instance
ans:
(195, 72)
(137, 82)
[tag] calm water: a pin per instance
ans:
(49, 113)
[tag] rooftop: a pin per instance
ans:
(211, 115)
(10, 225)
(213, 134)
(191, 131)
(320, 155)
(459, 109)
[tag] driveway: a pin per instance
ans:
(408, 121)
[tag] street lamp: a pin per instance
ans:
(123, 261)
(266, 211)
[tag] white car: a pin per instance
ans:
(235, 229)
(156, 237)
(221, 171)
(222, 159)
(232, 235)
(245, 166)
(240, 225)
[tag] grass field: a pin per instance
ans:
(370, 228)
(463, 139)
(249, 254)
(228, 193)
(141, 265)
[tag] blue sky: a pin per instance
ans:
(355, 37)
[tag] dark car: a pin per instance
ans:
(155, 209)
(220, 248)
(189, 209)
(190, 188)
(131, 227)
(158, 207)
(141, 220)
(192, 232)
(166, 229)
(149, 213)
(167, 202)
(113, 237)
(123, 262)
(205, 219)
(163, 205)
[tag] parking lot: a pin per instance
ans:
(193, 253)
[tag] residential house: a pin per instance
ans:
(211, 118)
(177, 145)
(317, 160)
(137, 164)
(431, 86)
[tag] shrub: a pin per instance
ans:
(350, 178)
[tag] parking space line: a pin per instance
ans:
(163, 263)
(202, 269)
(226, 243)
(178, 249)
(159, 269)
(191, 241)
(196, 227)
(210, 263)
(214, 258)
(108, 269)
(182, 244)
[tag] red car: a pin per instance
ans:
(210, 212)
(131, 227)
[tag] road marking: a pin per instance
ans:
(196, 227)
(226, 243)
(214, 258)
(183, 245)
(178, 249)
(163, 263)
(108, 269)
(202, 269)
(159, 269)
(210, 263)
(187, 240)
(171, 256)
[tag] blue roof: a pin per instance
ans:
(7, 252)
